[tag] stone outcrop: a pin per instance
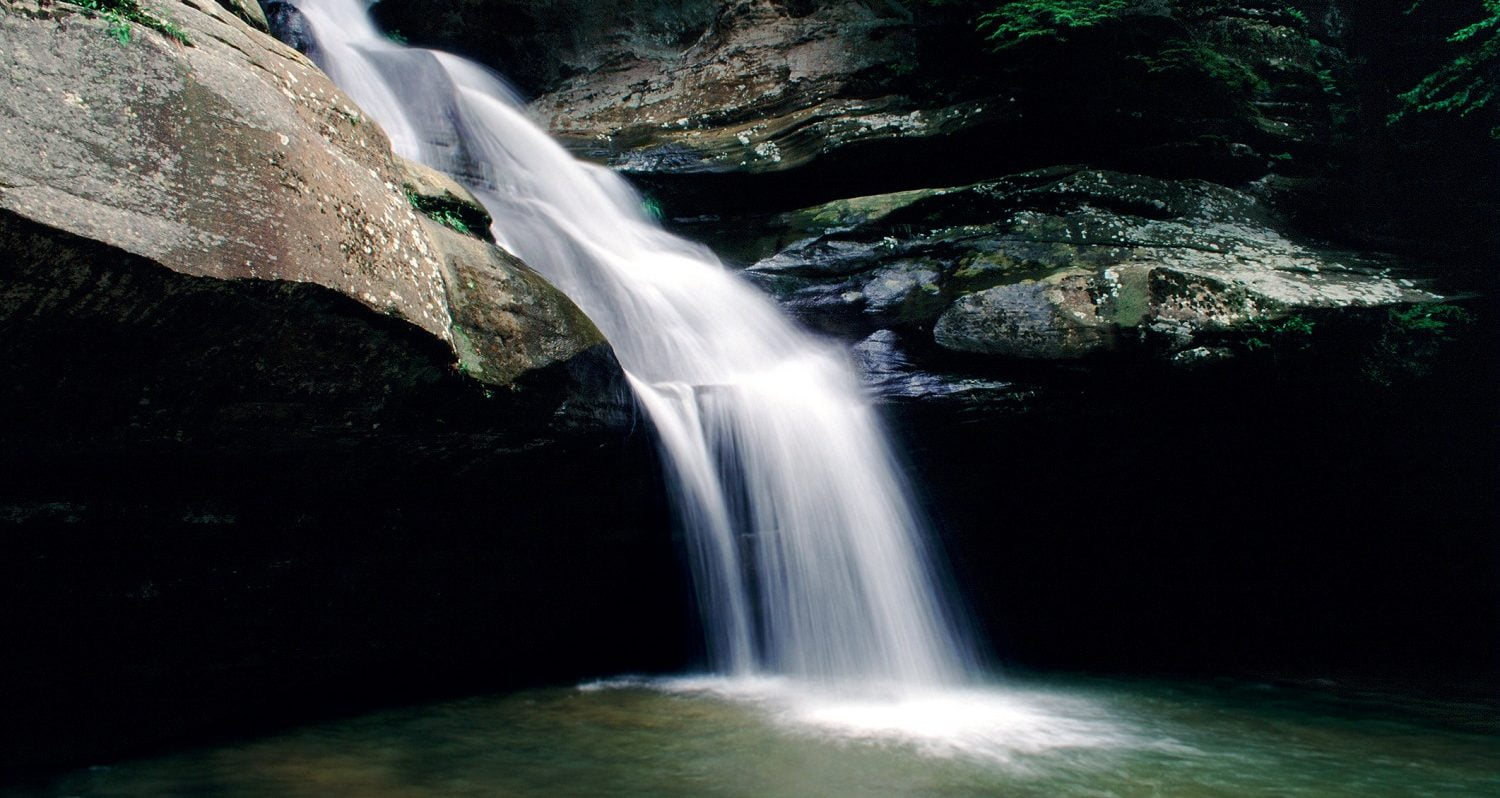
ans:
(275, 441)
(752, 87)
(1199, 120)
(236, 160)
(1059, 264)
(763, 89)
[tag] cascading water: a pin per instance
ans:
(807, 552)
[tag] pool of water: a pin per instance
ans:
(768, 738)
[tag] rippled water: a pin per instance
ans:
(765, 738)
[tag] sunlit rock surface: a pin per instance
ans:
(232, 158)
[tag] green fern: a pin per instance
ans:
(1188, 56)
(1467, 83)
(1015, 23)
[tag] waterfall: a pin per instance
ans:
(808, 556)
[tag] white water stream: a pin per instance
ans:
(808, 555)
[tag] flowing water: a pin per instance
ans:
(740, 739)
(808, 556)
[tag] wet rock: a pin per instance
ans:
(764, 89)
(286, 23)
(444, 199)
(507, 320)
(1060, 264)
(1053, 320)
(1198, 357)
(889, 371)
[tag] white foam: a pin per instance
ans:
(988, 723)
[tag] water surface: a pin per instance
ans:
(768, 738)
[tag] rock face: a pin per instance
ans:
(1054, 320)
(245, 163)
(767, 87)
(277, 442)
(1059, 264)
(691, 87)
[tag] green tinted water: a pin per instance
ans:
(764, 740)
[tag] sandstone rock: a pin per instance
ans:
(312, 444)
(763, 89)
(234, 159)
(507, 320)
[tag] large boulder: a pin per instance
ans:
(275, 442)
(234, 159)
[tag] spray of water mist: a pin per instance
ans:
(808, 556)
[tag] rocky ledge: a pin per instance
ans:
(229, 164)
(278, 443)
(1060, 264)
(720, 107)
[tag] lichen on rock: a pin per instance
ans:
(1063, 263)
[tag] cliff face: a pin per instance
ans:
(887, 173)
(273, 438)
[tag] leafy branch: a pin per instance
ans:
(1470, 81)
(1014, 23)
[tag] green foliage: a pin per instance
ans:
(1411, 340)
(1289, 333)
(1467, 83)
(1013, 23)
(439, 212)
(396, 36)
(118, 14)
(1436, 320)
(1194, 57)
(118, 28)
